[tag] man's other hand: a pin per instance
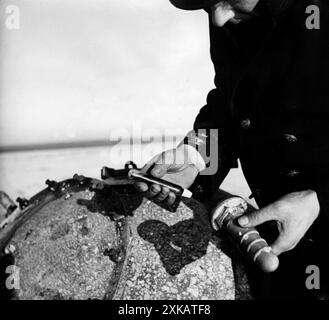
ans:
(294, 213)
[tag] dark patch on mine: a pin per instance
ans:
(178, 245)
(129, 197)
(28, 234)
(60, 231)
(115, 254)
(104, 201)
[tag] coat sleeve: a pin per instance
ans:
(213, 133)
(213, 137)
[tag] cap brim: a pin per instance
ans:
(193, 5)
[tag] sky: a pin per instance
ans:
(84, 70)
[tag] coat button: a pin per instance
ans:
(245, 123)
(290, 138)
(292, 173)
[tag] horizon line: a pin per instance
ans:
(74, 144)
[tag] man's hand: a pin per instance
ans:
(294, 213)
(174, 166)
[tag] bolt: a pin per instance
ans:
(23, 203)
(52, 185)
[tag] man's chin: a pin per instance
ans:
(236, 20)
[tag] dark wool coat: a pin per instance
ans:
(271, 102)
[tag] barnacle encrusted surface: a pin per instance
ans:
(59, 251)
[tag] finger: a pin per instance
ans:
(163, 194)
(171, 198)
(141, 186)
(258, 217)
(154, 190)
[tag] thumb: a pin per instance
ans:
(282, 244)
(257, 218)
(159, 170)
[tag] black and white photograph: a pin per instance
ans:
(166, 155)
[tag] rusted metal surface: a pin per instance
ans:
(79, 239)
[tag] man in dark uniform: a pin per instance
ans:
(271, 109)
